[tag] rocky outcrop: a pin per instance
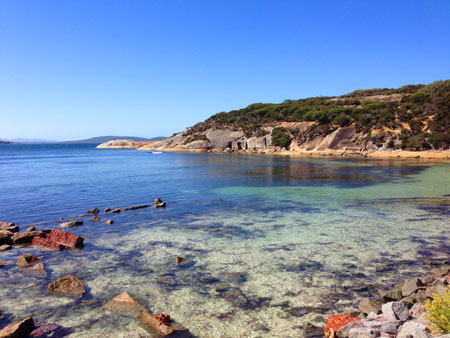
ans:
(121, 144)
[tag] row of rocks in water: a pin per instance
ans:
(398, 314)
(70, 285)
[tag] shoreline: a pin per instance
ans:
(399, 154)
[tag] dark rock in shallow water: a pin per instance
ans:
(68, 284)
(95, 219)
(107, 210)
(5, 237)
(235, 297)
(94, 211)
(18, 329)
(26, 260)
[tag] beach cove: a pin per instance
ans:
(270, 242)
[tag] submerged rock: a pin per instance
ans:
(71, 224)
(47, 330)
(68, 284)
(18, 329)
(26, 260)
(125, 304)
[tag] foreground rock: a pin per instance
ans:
(5, 247)
(71, 224)
(26, 237)
(18, 329)
(166, 329)
(125, 304)
(6, 237)
(68, 285)
(26, 260)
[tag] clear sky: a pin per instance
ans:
(77, 69)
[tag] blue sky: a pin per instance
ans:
(77, 69)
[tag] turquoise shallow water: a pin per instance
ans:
(271, 242)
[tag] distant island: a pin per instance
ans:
(93, 140)
(411, 121)
(102, 139)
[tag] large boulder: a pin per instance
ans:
(68, 284)
(410, 286)
(395, 311)
(18, 329)
(5, 237)
(119, 144)
(414, 329)
(367, 306)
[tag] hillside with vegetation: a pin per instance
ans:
(413, 117)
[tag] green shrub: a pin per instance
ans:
(280, 137)
(342, 119)
(438, 313)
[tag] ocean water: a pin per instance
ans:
(271, 242)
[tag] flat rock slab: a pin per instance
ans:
(47, 243)
(18, 329)
(71, 224)
(68, 284)
(5, 247)
(135, 207)
(165, 330)
(65, 238)
(125, 304)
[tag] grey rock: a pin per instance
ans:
(428, 279)
(401, 310)
(410, 286)
(235, 297)
(344, 331)
(388, 312)
(413, 329)
(421, 297)
(363, 332)
(390, 326)
(71, 224)
(367, 306)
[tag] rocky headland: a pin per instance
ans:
(408, 122)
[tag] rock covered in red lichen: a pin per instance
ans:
(334, 323)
